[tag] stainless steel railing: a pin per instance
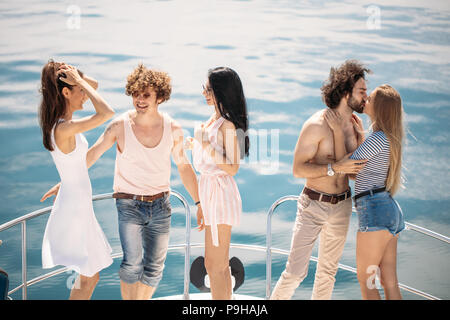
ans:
(187, 247)
(408, 226)
(23, 222)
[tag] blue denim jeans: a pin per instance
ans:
(144, 234)
(379, 211)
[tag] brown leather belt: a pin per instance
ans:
(122, 195)
(332, 198)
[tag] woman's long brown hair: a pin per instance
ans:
(389, 119)
(53, 103)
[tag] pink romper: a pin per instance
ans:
(219, 195)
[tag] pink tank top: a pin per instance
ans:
(140, 170)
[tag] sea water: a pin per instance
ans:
(283, 51)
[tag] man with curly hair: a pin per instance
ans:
(324, 206)
(145, 139)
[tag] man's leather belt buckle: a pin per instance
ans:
(334, 200)
(142, 199)
(122, 195)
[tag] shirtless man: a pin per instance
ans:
(325, 206)
(145, 140)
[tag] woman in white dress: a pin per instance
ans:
(73, 237)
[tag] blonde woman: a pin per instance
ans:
(380, 216)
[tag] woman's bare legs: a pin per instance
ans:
(371, 248)
(84, 287)
(388, 268)
(217, 262)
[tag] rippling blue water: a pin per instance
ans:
(283, 51)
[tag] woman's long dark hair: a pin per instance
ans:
(53, 103)
(229, 94)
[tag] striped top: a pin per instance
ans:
(376, 150)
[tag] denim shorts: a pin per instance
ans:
(379, 212)
(144, 235)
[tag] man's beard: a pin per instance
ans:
(355, 105)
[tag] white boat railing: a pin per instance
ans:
(23, 222)
(408, 226)
(188, 245)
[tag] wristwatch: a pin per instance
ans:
(330, 170)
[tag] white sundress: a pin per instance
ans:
(73, 237)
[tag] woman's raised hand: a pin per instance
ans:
(72, 77)
(358, 126)
(333, 118)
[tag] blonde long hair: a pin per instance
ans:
(388, 113)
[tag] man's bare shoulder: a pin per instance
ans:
(316, 123)
(115, 127)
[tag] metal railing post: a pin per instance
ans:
(24, 259)
(409, 226)
(187, 248)
(269, 241)
(268, 253)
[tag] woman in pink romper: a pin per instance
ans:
(219, 145)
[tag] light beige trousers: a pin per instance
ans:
(313, 218)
